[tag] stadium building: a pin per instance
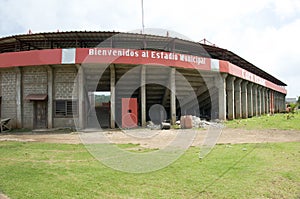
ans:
(50, 80)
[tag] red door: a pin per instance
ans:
(129, 113)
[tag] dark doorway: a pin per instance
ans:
(40, 114)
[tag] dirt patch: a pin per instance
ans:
(161, 138)
(2, 196)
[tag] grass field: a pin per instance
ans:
(44, 170)
(277, 121)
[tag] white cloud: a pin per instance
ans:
(287, 8)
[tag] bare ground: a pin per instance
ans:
(160, 138)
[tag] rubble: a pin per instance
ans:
(198, 123)
(186, 122)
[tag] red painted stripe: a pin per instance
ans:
(54, 56)
(224, 66)
(234, 70)
(30, 58)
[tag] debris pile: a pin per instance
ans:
(186, 122)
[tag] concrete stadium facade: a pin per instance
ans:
(49, 80)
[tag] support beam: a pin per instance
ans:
(254, 98)
(112, 96)
(173, 96)
(267, 101)
(222, 97)
(244, 99)
(275, 102)
(283, 103)
(259, 100)
(143, 96)
(272, 102)
(81, 100)
(238, 98)
(50, 96)
(263, 103)
(230, 96)
(250, 99)
(19, 123)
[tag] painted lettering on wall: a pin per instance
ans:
(253, 78)
(147, 54)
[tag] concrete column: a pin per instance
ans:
(238, 98)
(143, 95)
(230, 96)
(272, 102)
(275, 102)
(19, 97)
(250, 99)
(112, 96)
(244, 99)
(283, 102)
(255, 105)
(263, 102)
(81, 99)
(173, 96)
(259, 100)
(278, 102)
(267, 101)
(50, 96)
(222, 97)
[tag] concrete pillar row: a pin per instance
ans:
(254, 98)
(238, 98)
(250, 99)
(244, 99)
(230, 97)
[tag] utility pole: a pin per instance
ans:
(143, 26)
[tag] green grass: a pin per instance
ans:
(45, 170)
(277, 121)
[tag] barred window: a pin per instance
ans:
(66, 108)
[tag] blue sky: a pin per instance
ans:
(264, 32)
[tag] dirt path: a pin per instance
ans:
(160, 138)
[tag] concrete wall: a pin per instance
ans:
(8, 89)
(64, 78)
